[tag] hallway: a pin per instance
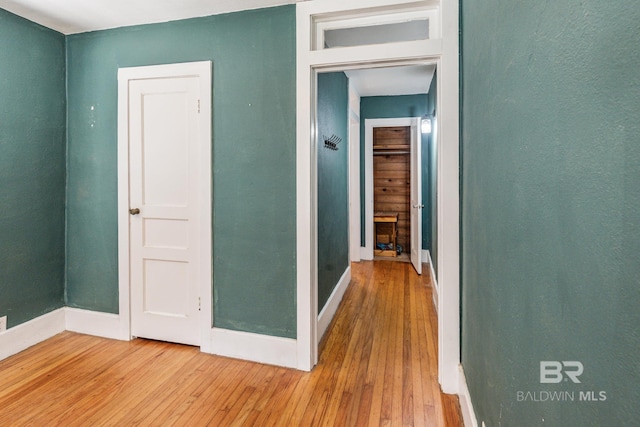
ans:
(377, 367)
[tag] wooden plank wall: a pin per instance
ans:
(391, 177)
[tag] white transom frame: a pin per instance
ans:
(366, 18)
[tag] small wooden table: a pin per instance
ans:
(386, 218)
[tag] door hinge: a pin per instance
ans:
(199, 304)
(198, 106)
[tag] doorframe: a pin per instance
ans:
(369, 125)
(443, 51)
(202, 70)
(355, 250)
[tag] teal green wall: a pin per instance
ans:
(386, 107)
(32, 169)
(550, 207)
(253, 56)
(333, 183)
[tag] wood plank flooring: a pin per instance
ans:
(377, 368)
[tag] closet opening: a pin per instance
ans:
(391, 192)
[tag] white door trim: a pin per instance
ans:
(354, 190)
(354, 175)
(203, 71)
(444, 52)
(448, 200)
(369, 125)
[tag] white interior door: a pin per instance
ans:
(416, 195)
(164, 208)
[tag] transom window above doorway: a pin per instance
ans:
(371, 28)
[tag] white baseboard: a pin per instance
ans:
(95, 323)
(254, 347)
(366, 254)
(330, 308)
(427, 257)
(468, 414)
(25, 335)
(241, 345)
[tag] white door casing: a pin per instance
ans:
(354, 189)
(442, 48)
(164, 171)
(369, 125)
(416, 195)
(354, 174)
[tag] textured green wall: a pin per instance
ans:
(32, 169)
(333, 183)
(550, 207)
(386, 107)
(253, 56)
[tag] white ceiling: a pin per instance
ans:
(79, 16)
(405, 80)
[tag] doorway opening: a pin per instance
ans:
(383, 214)
(312, 58)
(414, 176)
(391, 193)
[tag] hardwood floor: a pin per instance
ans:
(377, 368)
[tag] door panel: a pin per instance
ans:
(161, 233)
(164, 287)
(165, 141)
(163, 184)
(416, 196)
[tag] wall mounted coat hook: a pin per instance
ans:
(332, 142)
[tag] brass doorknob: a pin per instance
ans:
(134, 211)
